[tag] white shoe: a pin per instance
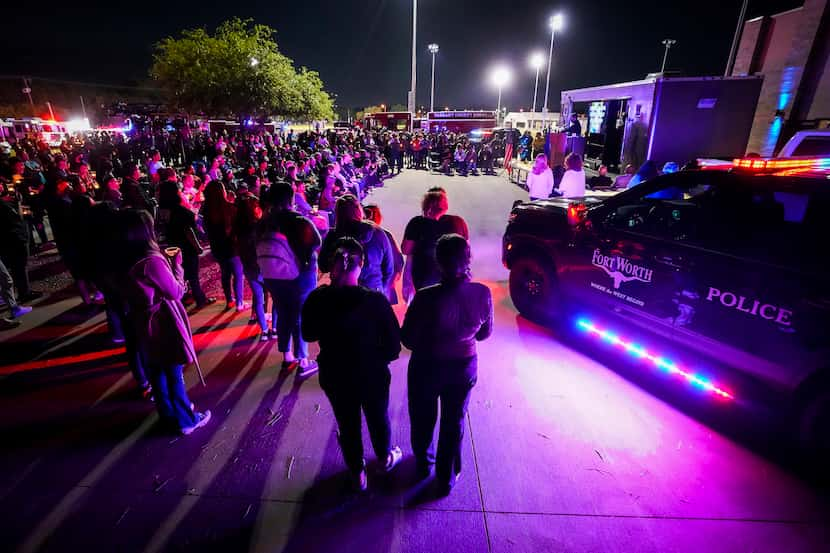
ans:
(204, 418)
(393, 458)
(20, 310)
(241, 306)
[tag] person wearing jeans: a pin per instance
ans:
(289, 281)
(153, 288)
(7, 295)
(441, 327)
(219, 214)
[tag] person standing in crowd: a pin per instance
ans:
(378, 268)
(448, 222)
(287, 248)
(181, 233)
(14, 247)
(540, 179)
(248, 215)
(372, 213)
(110, 192)
(219, 214)
(132, 193)
(419, 240)
(573, 181)
(441, 328)
(359, 336)
(154, 287)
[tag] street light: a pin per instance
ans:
(556, 23)
(254, 62)
(668, 43)
(433, 49)
(536, 60)
(411, 99)
(500, 76)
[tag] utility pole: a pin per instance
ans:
(27, 90)
(411, 99)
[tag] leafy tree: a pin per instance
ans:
(369, 110)
(237, 70)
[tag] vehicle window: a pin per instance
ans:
(813, 146)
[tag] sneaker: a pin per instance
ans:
(202, 419)
(289, 366)
(310, 368)
(241, 306)
(273, 334)
(393, 458)
(264, 337)
(360, 481)
(231, 305)
(20, 310)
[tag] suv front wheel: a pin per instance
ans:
(534, 290)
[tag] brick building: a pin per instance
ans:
(792, 51)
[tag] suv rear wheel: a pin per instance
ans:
(534, 290)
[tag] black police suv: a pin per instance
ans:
(734, 266)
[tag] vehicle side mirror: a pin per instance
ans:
(517, 203)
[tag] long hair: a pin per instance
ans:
(138, 238)
(347, 211)
(216, 202)
(573, 162)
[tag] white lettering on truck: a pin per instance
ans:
(753, 307)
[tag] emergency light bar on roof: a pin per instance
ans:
(771, 165)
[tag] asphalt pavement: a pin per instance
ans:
(564, 450)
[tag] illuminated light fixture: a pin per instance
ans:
(781, 164)
(665, 365)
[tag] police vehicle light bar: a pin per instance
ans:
(781, 164)
(660, 362)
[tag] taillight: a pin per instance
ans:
(577, 212)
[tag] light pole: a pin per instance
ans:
(668, 43)
(536, 60)
(411, 99)
(556, 23)
(433, 49)
(500, 76)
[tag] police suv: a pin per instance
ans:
(731, 264)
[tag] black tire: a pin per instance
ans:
(534, 289)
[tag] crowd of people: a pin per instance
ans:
(277, 212)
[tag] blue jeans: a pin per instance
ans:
(258, 300)
(231, 269)
(289, 297)
(171, 397)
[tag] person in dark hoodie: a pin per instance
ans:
(378, 270)
(359, 336)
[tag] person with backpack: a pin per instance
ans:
(287, 246)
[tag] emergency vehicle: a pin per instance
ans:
(730, 266)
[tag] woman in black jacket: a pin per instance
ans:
(441, 327)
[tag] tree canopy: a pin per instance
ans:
(238, 70)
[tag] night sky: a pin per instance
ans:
(362, 47)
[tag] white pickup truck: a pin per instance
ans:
(815, 143)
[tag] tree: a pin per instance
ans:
(238, 70)
(369, 110)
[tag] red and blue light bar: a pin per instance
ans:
(660, 362)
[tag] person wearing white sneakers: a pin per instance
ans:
(7, 294)
(359, 336)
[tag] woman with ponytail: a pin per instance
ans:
(359, 336)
